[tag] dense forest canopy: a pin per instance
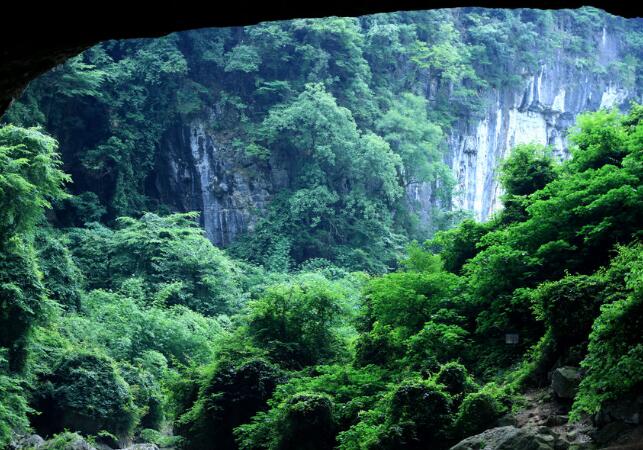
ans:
(339, 319)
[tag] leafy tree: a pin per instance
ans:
(528, 169)
(419, 414)
(409, 299)
(172, 256)
(13, 406)
(307, 423)
(321, 403)
(61, 277)
(297, 322)
(341, 184)
(480, 411)
(30, 178)
(418, 142)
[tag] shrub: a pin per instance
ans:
(84, 393)
(229, 396)
(456, 380)
(307, 423)
(614, 362)
(13, 406)
(419, 416)
(479, 411)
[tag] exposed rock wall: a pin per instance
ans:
(540, 110)
(201, 171)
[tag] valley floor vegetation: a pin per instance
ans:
(120, 331)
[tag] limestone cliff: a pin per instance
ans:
(541, 110)
(200, 170)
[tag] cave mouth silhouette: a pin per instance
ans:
(44, 36)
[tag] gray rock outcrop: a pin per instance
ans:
(565, 381)
(512, 438)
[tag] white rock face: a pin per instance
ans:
(540, 111)
(229, 198)
(613, 97)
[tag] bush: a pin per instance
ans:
(64, 441)
(61, 276)
(380, 346)
(569, 307)
(437, 343)
(307, 423)
(84, 393)
(305, 402)
(231, 394)
(296, 322)
(147, 395)
(614, 361)
(456, 380)
(13, 406)
(419, 416)
(22, 301)
(479, 411)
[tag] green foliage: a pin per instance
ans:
(13, 406)
(307, 423)
(420, 260)
(22, 301)
(437, 343)
(230, 394)
(346, 390)
(418, 415)
(614, 361)
(568, 307)
(171, 256)
(480, 411)
(297, 322)
(456, 381)
(148, 324)
(341, 185)
(30, 178)
(243, 58)
(129, 330)
(61, 277)
(528, 169)
(84, 392)
(411, 135)
(409, 299)
(458, 245)
(598, 141)
(64, 441)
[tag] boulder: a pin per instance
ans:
(30, 441)
(611, 432)
(565, 381)
(512, 438)
(627, 410)
(67, 441)
(146, 446)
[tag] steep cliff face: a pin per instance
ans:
(540, 110)
(202, 171)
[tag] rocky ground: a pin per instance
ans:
(543, 424)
